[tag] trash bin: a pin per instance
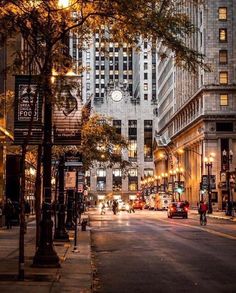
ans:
(84, 224)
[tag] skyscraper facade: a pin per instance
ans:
(122, 84)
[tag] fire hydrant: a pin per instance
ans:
(83, 225)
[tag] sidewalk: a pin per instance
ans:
(75, 274)
(216, 215)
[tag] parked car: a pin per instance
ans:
(138, 204)
(177, 209)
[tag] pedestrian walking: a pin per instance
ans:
(114, 207)
(103, 209)
(131, 207)
(9, 211)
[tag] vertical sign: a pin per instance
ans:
(70, 180)
(26, 92)
(67, 112)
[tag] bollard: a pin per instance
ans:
(83, 225)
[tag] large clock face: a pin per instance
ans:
(116, 95)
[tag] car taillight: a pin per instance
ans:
(186, 209)
(172, 209)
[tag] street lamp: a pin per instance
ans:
(208, 164)
(172, 176)
(227, 159)
(164, 176)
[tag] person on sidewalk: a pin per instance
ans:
(9, 211)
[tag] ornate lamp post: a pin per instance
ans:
(208, 164)
(46, 255)
(164, 177)
(172, 176)
(157, 181)
(227, 159)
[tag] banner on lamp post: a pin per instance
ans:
(70, 180)
(26, 93)
(67, 112)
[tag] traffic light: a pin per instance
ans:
(180, 190)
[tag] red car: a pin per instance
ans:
(138, 204)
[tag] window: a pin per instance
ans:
(223, 57)
(87, 55)
(133, 179)
(145, 97)
(224, 100)
(147, 140)
(145, 75)
(145, 66)
(223, 35)
(117, 180)
(223, 77)
(227, 126)
(101, 173)
(87, 86)
(132, 149)
(145, 87)
(133, 186)
(133, 172)
(117, 173)
(222, 13)
(148, 172)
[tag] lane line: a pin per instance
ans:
(221, 234)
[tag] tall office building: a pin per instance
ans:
(197, 111)
(122, 83)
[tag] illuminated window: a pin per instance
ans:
(147, 139)
(101, 173)
(133, 172)
(223, 77)
(224, 100)
(223, 35)
(222, 13)
(132, 149)
(223, 57)
(132, 145)
(145, 87)
(133, 186)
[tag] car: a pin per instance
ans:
(138, 204)
(177, 209)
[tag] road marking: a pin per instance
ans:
(221, 234)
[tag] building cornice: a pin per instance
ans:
(206, 88)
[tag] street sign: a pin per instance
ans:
(205, 181)
(80, 187)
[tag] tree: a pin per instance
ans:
(45, 27)
(100, 144)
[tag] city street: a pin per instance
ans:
(147, 252)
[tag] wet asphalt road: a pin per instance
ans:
(146, 252)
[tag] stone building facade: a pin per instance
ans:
(122, 84)
(198, 116)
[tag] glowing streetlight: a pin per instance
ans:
(63, 3)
